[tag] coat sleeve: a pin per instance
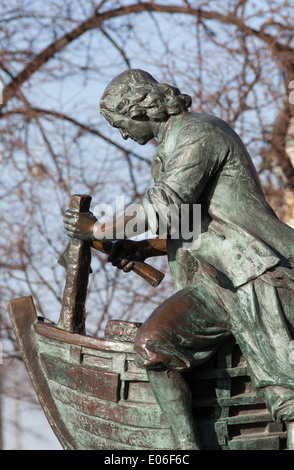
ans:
(193, 158)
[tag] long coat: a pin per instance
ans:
(239, 278)
(201, 160)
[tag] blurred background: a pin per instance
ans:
(235, 58)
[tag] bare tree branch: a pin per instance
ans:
(82, 126)
(97, 19)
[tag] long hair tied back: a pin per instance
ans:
(136, 94)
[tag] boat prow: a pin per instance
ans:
(91, 391)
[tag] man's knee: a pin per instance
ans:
(146, 346)
(160, 349)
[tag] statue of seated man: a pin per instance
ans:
(236, 281)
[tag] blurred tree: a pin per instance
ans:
(235, 58)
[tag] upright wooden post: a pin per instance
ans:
(77, 259)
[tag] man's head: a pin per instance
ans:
(134, 102)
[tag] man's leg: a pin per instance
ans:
(176, 337)
(265, 328)
(174, 397)
(280, 402)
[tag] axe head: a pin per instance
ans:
(63, 258)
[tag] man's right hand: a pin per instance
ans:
(125, 252)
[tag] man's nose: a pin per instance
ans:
(124, 134)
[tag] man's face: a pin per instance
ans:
(141, 131)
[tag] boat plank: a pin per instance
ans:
(233, 401)
(145, 416)
(86, 441)
(263, 416)
(58, 334)
(123, 434)
(86, 380)
(253, 442)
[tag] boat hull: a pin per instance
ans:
(95, 397)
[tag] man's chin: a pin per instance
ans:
(142, 141)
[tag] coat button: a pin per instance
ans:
(238, 256)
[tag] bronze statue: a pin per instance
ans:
(238, 281)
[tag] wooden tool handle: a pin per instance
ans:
(147, 272)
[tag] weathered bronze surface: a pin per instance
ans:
(239, 280)
(77, 260)
(210, 367)
(95, 397)
(147, 272)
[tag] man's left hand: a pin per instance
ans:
(79, 225)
